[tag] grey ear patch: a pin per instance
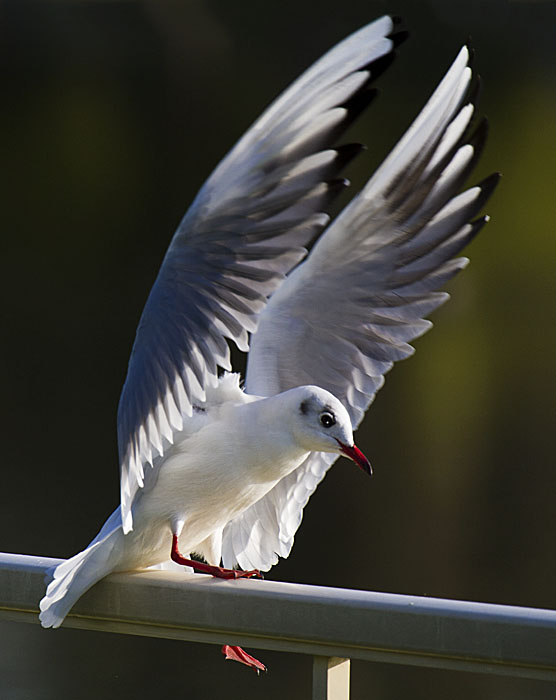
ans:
(304, 407)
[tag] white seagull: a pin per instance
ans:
(224, 472)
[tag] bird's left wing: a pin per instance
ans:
(246, 229)
(346, 314)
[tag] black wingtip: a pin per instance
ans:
(377, 67)
(476, 226)
(398, 37)
(358, 103)
(474, 90)
(335, 187)
(338, 184)
(488, 185)
(479, 136)
(471, 49)
(399, 33)
(347, 152)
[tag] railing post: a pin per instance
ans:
(330, 678)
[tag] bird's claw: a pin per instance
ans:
(254, 573)
(236, 573)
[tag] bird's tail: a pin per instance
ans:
(73, 577)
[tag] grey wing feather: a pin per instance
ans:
(345, 315)
(247, 228)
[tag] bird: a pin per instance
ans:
(221, 470)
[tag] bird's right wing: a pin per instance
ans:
(247, 228)
(345, 315)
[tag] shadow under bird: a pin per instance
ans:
(224, 472)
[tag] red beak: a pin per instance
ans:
(357, 456)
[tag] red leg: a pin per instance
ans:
(230, 652)
(237, 654)
(217, 571)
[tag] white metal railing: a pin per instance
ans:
(332, 624)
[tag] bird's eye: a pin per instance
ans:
(327, 419)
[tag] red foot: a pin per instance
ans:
(217, 571)
(238, 654)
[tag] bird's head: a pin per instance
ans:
(322, 424)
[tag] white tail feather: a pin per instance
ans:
(73, 577)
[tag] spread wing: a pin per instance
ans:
(247, 228)
(345, 315)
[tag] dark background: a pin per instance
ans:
(112, 115)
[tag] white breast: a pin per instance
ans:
(236, 455)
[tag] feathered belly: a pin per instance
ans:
(205, 493)
(150, 541)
